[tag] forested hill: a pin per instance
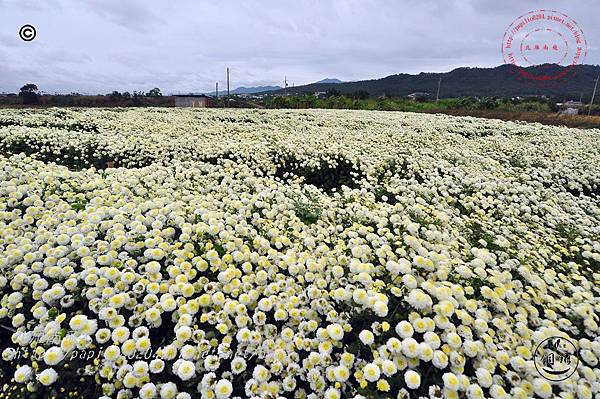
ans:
(502, 81)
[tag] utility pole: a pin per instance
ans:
(593, 95)
(217, 91)
(437, 96)
(227, 81)
(285, 84)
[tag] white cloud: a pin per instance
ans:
(136, 15)
(185, 45)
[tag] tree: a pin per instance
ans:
(488, 103)
(332, 92)
(29, 93)
(115, 96)
(29, 88)
(154, 93)
(360, 95)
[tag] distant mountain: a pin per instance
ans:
(256, 89)
(248, 90)
(501, 81)
(329, 80)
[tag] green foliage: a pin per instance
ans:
(503, 81)
(308, 209)
(154, 93)
(360, 95)
(29, 88)
(52, 313)
(29, 94)
(567, 231)
(79, 205)
(360, 100)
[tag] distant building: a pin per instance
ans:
(418, 96)
(569, 111)
(194, 101)
(251, 96)
(525, 96)
(570, 107)
(320, 94)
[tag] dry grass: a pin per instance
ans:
(579, 121)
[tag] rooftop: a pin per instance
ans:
(190, 95)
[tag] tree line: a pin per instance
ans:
(362, 101)
(30, 94)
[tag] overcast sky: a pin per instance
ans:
(96, 46)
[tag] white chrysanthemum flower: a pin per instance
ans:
(238, 365)
(148, 391)
(404, 329)
(341, 373)
(223, 389)
(78, 322)
(371, 372)
(412, 379)
(451, 382)
(410, 348)
(474, 391)
(185, 370)
(23, 374)
(380, 308)
(250, 267)
(53, 356)
(366, 337)
(419, 300)
(388, 367)
(484, 378)
(156, 366)
(260, 373)
(332, 393)
(47, 377)
(542, 388)
(335, 332)
(168, 390)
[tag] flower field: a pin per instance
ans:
(185, 253)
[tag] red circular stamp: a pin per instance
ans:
(544, 46)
